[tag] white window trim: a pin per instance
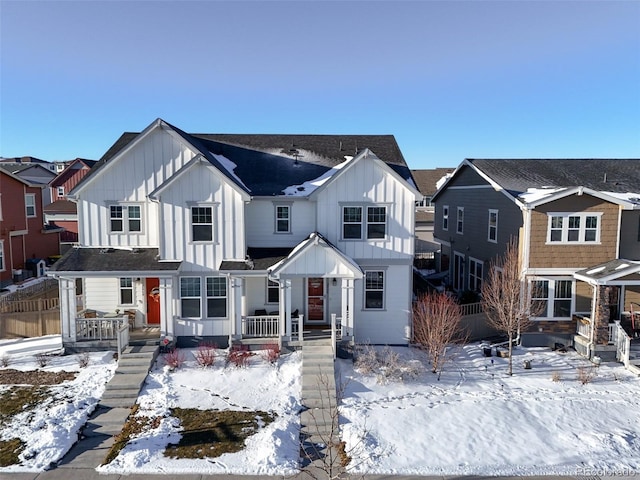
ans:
(26, 205)
(460, 220)
(214, 229)
(3, 263)
(121, 288)
(455, 277)
(60, 191)
(445, 217)
(207, 297)
(1, 211)
(494, 227)
(470, 275)
(551, 298)
(364, 221)
(125, 219)
(365, 290)
(268, 287)
(565, 227)
(180, 297)
(276, 218)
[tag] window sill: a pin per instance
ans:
(573, 243)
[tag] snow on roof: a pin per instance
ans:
(308, 187)
(230, 167)
(443, 179)
(628, 197)
(535, 194)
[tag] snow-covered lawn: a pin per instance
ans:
(474, 420)
(478, 421)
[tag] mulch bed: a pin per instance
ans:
(34, 377)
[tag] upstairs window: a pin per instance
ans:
(126, 291)
(573, 228)
(460, 221)
(445, 217)
(493, 226)
(353, 224)
(30, 204)
(216, 297)
(374, 290)
(283, 219)
(125, 218)
(60, 191)
(202, 224)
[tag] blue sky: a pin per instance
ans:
(449, 79)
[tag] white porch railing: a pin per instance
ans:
(100, 328)
(584, 327)
(622, 342)
(471, 309)
(260, 326)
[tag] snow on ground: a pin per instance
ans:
(273, 450)
(478, 421)
(52, 428)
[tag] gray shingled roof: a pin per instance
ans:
(261, 259)
(426, 179)
(604, 175)
(267, 164)
(113, 260)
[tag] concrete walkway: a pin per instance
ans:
(121, 393)
(319, 432)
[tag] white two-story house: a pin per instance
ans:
(219, 237)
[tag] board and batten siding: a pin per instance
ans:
(578, 256)
(260, 222)
(366, 183)
(129, 179)
(201, 185)
(103, 295)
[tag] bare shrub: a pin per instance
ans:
(206, 354)
(385, 364)
(174, 358)
(586, 374)
(555, 376)
(42, 359)
(5, 360)
(366, 361)
(238, 356)
(83, 360)
(436, 320)
(271, 353)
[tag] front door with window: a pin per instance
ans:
(153, 301)
(315, 300)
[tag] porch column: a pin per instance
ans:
(350, 306)
(603, 314)
(165, 286)
(68, 308)
(344, 311)
(285, 296)
(237, 301)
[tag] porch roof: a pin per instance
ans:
(613, 271)
(136, 261)
(317, 257)
(260, 259)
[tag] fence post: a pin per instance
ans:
(43, 326)
(300, 334)
(333, 334)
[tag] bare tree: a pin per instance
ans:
(436, 321)
(506, 300)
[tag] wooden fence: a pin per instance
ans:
(29, 324)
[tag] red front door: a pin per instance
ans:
(153, 301)
(315, 300)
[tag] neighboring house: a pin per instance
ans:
(427, 182)
(54, 167)
(61, 211)
(577, 224)
(23, 233)
(221, 237)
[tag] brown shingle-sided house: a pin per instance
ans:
(577, 223)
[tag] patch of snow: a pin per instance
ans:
(230, 167)
(308, 187)
(443, 179)
(535, 194)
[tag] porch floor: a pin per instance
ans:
(142, 334)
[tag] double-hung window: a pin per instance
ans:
(356, 219)
(445, 217)
(60, 191)
(202, 224)
(190, 293)
(273, 292)
(125, 218)
(374, 290)
(573, 227)
(552, 298)
(492, 234)
(126, 291)
(460, 221)
(216, 297)
(283, 218)
(475, 274)
(30, 204)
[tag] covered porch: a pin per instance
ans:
(608, 330)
